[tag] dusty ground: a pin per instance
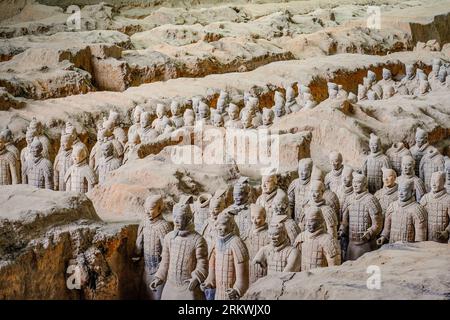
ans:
(127, 53)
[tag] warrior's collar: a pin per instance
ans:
(304, 182)
(337, 172)
(439, 194)
(360, 195)
(259, 229)
(391, 190)
(407, 202)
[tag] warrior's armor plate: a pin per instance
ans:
(372, 170)
(255, 239)
(79, 177)
(386, 196)
(298, 193)
(63, 162)
(8, 170)
(333, 179)
(438, 209)
(39, 173)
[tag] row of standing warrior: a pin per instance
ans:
(218, 249)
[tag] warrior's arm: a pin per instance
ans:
(420, 224)
(376, 216)
(24, 174)
(140, 240)
(201, 253)
(364, 168)
(291, 199)
(163, 267)
(293, 261)
(344, 223)
(49, 178)
(211, 279)
(14, 173)
(420, 189)
(387, 222)
(260, 258)
(242, 279)
(332, 252)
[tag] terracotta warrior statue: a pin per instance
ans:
(329, 196)
(389, 192)
(37, 130)
(9, 145)
(437, 205)
(256, 238)
(252, 105)
(269, 190)
(436, 65)
(241, 205)
(395, 155)
(333, 90)
(108, 127)
(146, 132)
(408, 166)
(217, 120)
(117, 130)
(373, 164)
(279, 108)
(423, 88)
(362, 92)
(362, 219)
(267, 118)
(291, 103)
(8, 165)
(80, 177)
(177, 114)
(388, 91)
(25, 153)
(228, 263)
(279, 255)
(431, 161)
(406, 220)
(136, 118)
(204, 114)
(302, 89)
(208, 230)
(149, 242)
(298, 191)
(447, 174)
(333, 179)
(280, 210)
(108, 161)
(387, 79)
(316, 199)
(409, 81)
(345, 190)
(234, 122)
(189, 117)
(420, 148)
(72, 131)
(63, 162)
(318, 248)
(38, 170)
(184, 259)
(442, 80)
(222, 103)
(200, 209)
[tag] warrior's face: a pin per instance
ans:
(153, 209)
(386, 74)
(421, 139)
(269, 183)
(107, 149)
(160, 111)
(36, 150)
(405, 192)
(374, 146)
(316, 193)
(332, 93)
(223, 227)
(137, 116)
(359, 185)
(389, 178)
(239, 195)
(66, 143)
(313, 221)
(408, 167)
(279, 111)
(180, 220)
(304, 170)
(78, 156)
(267, 118)
(348, 179)
(336, 161)
(409, 71)
(258, 217)
(221, 104)
(175, 109)
(233, 113)
(276, 235)
(437, 182)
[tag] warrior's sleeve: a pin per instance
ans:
(67, 177)
(24, 172)
(421, 169)
(345, 216)
(364, 167)
(241, 265)
(140, 239)
(293, 261)
(260, 258)
(332, 251)
(13, 169)
(330, 221)
(386, 162)
(420, 189)
(163, 267)
(424, 201)
(298, 241)
(48, 176)
(91, 178)
(211, 279)
(387, 222)
(201, 253)
(376, 216)
(327, 180)
(420, 224)
(291, 198)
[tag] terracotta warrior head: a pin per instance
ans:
(305, 168)
(7, 135)
(347, 176)
(241, 191)
(233, 111)
(267, 116)
(216, 206)
(203, 111)
(189, 117)
(153, 206)
(175, 108)
(29, 137)
(372, 76)
(225, 224)
(217, 120)
(374, 143)
(36, 148)
(114, 117)
(269, 183)
(389, 177)
(182, 214)
(387, 75)
(359, 183)
(280, 204)
(160, 110)
(66, 142)
(137, 114)
(79, 154)
(437, 182)
(257, 215)
(410, 71)
(335, 160)
(314, 219)
(421, 137)
(316, 190)
(36, 126)
(222, 101)
(247, 118)
(405, 190)
(362, 91)
(333, 90)
(408, 165)
(388, 91)
(146, 120)
(277, 234)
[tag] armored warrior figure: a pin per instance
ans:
(389, 192)
(422, 89)
(437, 205)
(247, 119)
(146, 132)
(25, 153)
(447, 174)
(298, 190)
(80, 177)
(94, 156)
(435, 67)
(222, 103)
(387, 78)
(291, 103)
(188, 118)
(279, 108)
(63, 162)
(269, 190)
(408, 174)
(442, 80)
(38, 170)
(241, 206)
(316, 199)
(117, 130)
(252, 105)
(8, 165)
(267, 118)
(177, 114)
(345, 190)
(200, 209)
(9, 145)
(309, 101)
(279, 255)
(362, 219)
(333, 179)
(204, 113)
(372, 95)
(280, 210)
(184, 260)
(149, 242)
(409, 82)
(333, 90)
(256, 238)
(318, 248)
(72, 131)
(36, 128)
(161, 114)
(302, 89)
(388, 91)
(329, 196)
(431, 161)
(406, 220)
(108, 162)
(420, 148)
(136, 117)
(234, 122)
(208, 230)
(395, 155)
(109, 136)
(228, 263)
(373, 164)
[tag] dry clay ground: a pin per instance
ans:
(144, 55)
